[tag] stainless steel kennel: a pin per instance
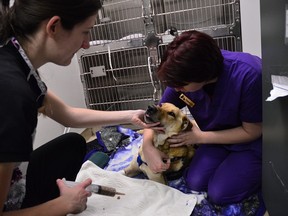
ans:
(128, 39)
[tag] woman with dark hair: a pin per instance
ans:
(223, 92)
(33, 33)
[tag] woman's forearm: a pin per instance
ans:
(69, 116)
(80, 118)
(246, 133)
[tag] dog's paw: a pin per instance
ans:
(122, 172)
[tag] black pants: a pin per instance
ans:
(59, 158)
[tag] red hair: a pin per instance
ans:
(192, 56)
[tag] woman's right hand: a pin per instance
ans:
(157, 161)
(75, 197)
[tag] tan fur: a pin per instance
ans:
(174, 121)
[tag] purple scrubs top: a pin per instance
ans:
(236, 97)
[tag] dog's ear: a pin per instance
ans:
(186, 124)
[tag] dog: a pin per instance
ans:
(173, 120)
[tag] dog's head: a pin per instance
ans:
(169, 116)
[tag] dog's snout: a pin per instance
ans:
(151, 109)
(150, 114)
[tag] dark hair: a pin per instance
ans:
(192, 56)
(25, 16)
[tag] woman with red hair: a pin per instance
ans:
(223, 92)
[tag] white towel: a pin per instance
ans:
(142, 197)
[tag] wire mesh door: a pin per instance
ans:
(128, 40)
(124, 86)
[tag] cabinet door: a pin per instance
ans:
(275, 113)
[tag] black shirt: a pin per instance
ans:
(19, 107)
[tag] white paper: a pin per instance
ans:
(142, 197)
(280, 87)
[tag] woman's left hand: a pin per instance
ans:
(138, 120)
(186, 138)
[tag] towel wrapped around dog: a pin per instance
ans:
(142, 197)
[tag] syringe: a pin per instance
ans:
(98, 189)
